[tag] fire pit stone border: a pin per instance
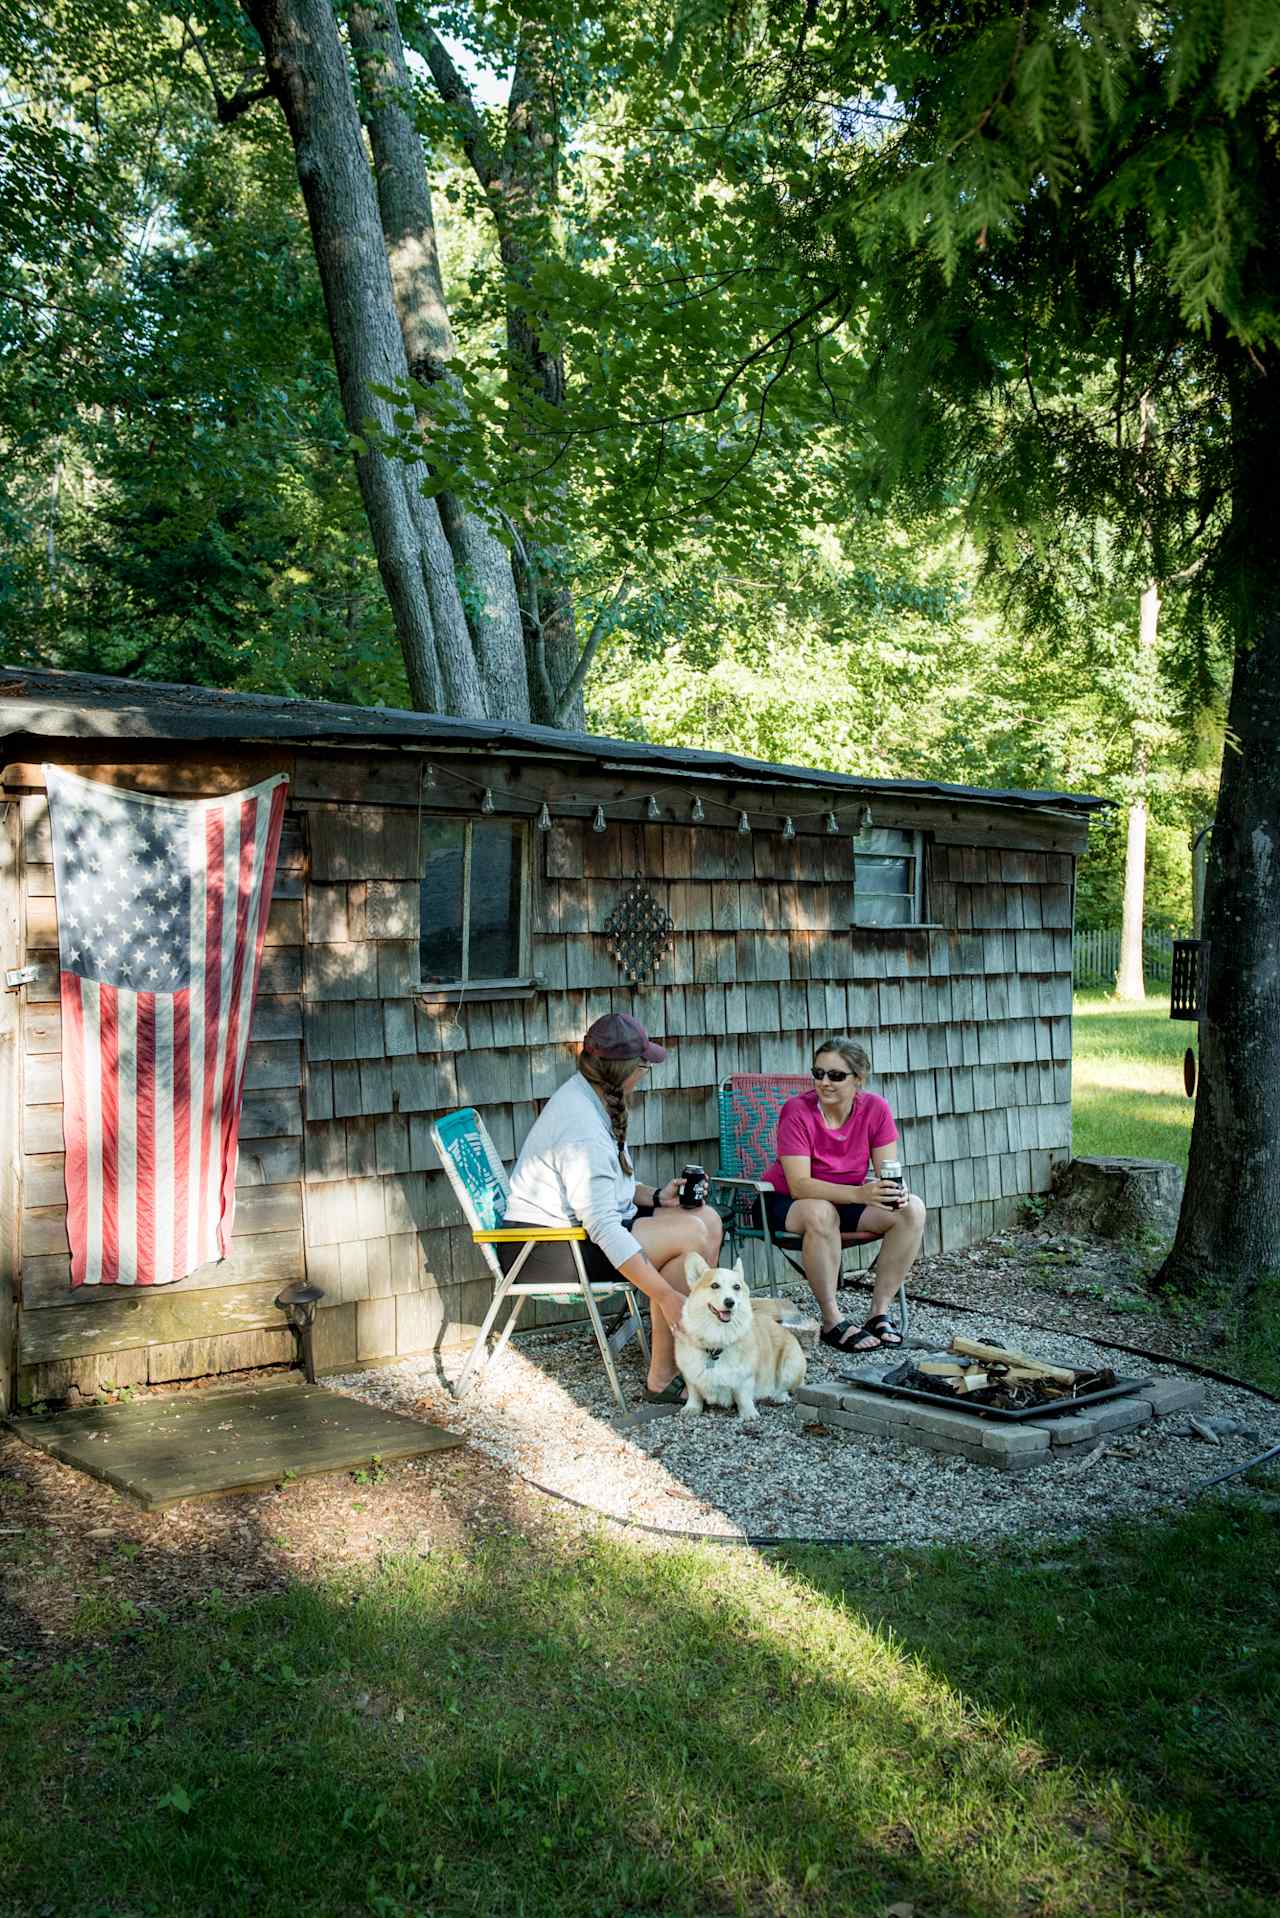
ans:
(1008, 1448)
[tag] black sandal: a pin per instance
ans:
(836, 1334)
(880, 1330)
(671, 1394)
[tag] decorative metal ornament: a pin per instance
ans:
(788, 827)
(599, 823)
(832, 823)
(744, 824)
(544, 817)
(696, 813)
(639, 932)
(486, 804)
(652, 810)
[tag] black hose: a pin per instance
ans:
(794, 1541)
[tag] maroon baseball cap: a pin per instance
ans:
(619, 1036)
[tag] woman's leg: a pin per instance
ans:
(818, 1222)
(668, 1238)
(900, 1233)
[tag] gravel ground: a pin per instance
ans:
(545, 1411)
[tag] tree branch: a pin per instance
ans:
(457, 96)
(227, 107)
(603, 624)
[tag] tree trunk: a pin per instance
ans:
(307, 65)
(521, 186)
(526, 217)
(483, 563)
(1229, 1226)
(1130, 984)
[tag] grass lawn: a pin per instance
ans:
(595, 1726)
(1126, 1080)
(544, 1721)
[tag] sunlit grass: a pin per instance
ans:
(528, 1727)
(1127, 1096)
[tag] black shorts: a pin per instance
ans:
(551, 1263)
(778, 1204)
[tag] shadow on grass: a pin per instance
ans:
(533, 1724)
(1156, 1658)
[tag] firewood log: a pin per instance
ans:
(1000, 1354)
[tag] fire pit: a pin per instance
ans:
(996, 1406)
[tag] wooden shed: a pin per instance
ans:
(443, 929)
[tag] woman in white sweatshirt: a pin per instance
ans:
(574, 1169)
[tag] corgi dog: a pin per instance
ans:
(729, 1350)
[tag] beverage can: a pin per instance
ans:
(693, 1186)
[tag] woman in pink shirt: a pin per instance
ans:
(832, 1144)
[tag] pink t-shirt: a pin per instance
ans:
(839, 1155)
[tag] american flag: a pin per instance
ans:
(162, 905)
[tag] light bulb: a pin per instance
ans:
(544, 817)
(653, 810)
(599, 823)
(832, 826)
(744, 824)
(696, 813)
(486, 804)
(788, 828)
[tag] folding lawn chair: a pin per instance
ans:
(476, 1173)
(749, 1106)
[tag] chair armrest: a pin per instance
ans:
(525, 1234)
(750, 1185)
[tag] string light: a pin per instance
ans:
(599, 823)
(653, 810)
(744, 824)
(696, 812)
(832, 824)
(544, 817)
(788, 828)
(486, 804)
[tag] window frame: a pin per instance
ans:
(523, 981)
(917, 895)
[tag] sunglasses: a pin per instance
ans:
(836, 1078)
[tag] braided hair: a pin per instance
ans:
(606, 1077)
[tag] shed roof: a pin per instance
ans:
(55, 705)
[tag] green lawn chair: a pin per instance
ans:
(478, 1177)
(749, 1106)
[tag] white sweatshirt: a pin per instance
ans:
(569, 1173)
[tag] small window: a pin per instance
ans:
(888, 877)
(474, 922)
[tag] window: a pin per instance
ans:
(888, 877)
(474, 921)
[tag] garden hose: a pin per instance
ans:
(796, 1541)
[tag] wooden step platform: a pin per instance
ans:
(158, 1451)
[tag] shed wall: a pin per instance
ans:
(968, 1026)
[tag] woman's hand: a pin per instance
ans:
(672, 1307)
(888, 1192)
(669, 1194)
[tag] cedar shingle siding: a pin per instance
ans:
(968, 1022)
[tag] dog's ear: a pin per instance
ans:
(694, 1267)
(739, 1273)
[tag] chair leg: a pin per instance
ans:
(494, 1308)
(509, 1327)
(633, 1307)
(597, 1326)
(904, 1314)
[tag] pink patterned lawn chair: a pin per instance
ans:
(749, 1106)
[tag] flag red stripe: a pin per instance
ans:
(108, 1053)
(73, 1124)
(145, 1165)
(181, 1128)
(212, 1012)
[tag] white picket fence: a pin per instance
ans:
(1095, 956)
